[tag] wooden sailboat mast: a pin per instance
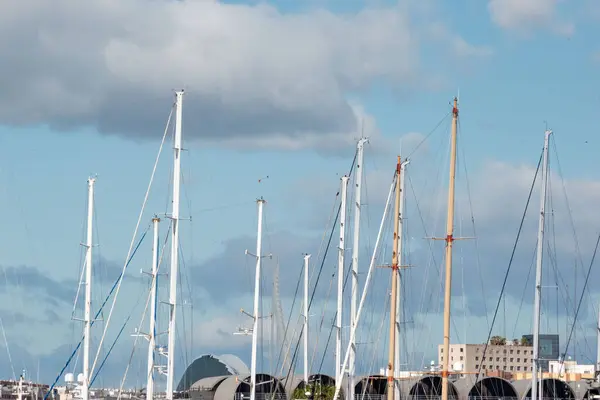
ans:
(392, 345)
(449, 240)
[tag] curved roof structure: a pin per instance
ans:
(210, 365)
(487, 387)
(427, 386)
(551, 388)
(298, 382)
(233, 385)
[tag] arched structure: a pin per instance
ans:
(487, 387)
(238, 388)
(371, 385)
(590, 392)
(427, 387)
(210, 365)
(321, 381)
(556, 389)
(205, 388)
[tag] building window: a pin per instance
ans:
(461, 358)
(518, 360)
(511, 367)
(524, 368)
(524, 360)
(504, 351)
(497, 358)
(462, 350)
(518, 351)
(452, 350)
(504, 359)
(476, 366)
(518, 367)
(477, 358)
(442, 358)
(497, 367)
(504, 368)
(511, 359)
(511, 351)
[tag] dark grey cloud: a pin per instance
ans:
(256, 77)
(37, 283)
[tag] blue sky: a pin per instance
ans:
(278, 89)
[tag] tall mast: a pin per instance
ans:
(338, 385)
(305, 333)
(258, 256)
(355, 249)
(88, 292)
(152, 328)
(449, 240)
(399, 279)
(393, 299)
(174, 245)
(340, 289)
(538, 272)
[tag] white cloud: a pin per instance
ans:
(250, 71)
(525, 15)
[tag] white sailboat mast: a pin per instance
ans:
(399, 282)
(305, 333)
(255, 316)
(152, 327)
(538, 272)
(87, 331)
(338, 385)
(174, 245)
(340, 288)
(355, 249)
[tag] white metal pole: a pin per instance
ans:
(88, 291)
(355, 251)
(260, 203)
(538, 272)
(399, 285)
(305, 334)
(338, 385)
(340, 289)
(174, 246)
(152, 327)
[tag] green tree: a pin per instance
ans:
(498, 341)
(318, 390)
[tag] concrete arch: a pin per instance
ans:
(594, 391)
(488, 388)
(298, 382)
(428, 387)
(205, 388)
(551, 388)
(210, 365)
(238, 388)
(371, 385)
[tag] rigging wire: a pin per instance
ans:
(114, 287)
(510, 262)
(333, 227)
(12, 367)
(585, 283)
(429, 134)
(133, 236)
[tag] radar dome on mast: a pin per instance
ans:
(69, 377)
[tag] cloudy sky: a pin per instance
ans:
(277, 92)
